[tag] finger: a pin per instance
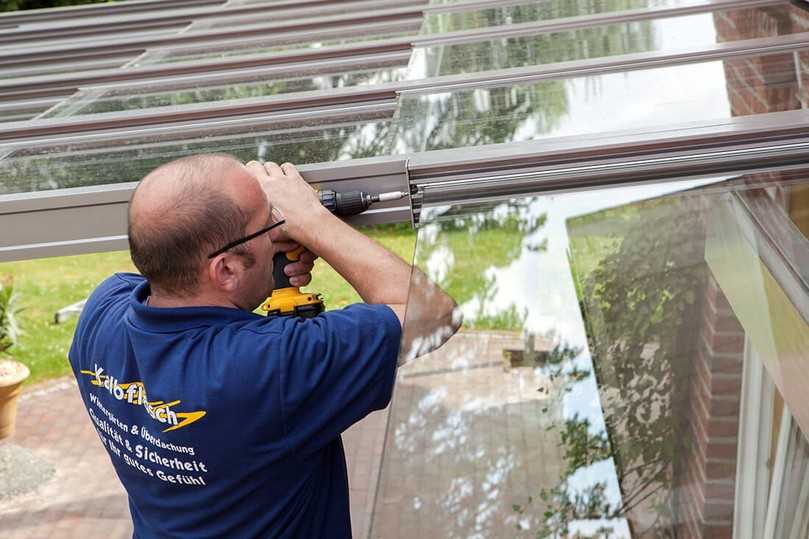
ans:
(298, 268)
(273, 169)
(279, 236)
(285, 246)
(308, 256)
(257, 169)
(300, 281)
(290, 170)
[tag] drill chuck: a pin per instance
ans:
(354, 202)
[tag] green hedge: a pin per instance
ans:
(14, 5)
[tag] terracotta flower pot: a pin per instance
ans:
(12, 375)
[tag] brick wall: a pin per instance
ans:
(760, 84)
(707, 482)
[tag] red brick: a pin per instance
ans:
(725, 343)
(725, 407)
(726, 385)
(719, 491)
(720, 469)
(718, 532)
(728, 364)
(722, 428)
(723, 322)
(721, 451)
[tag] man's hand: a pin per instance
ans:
(288, 193)
(300, 272)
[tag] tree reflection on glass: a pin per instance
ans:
(538, 49)
(530, 12)
(639, 302)
(586, 435)
(506, 114)
(100, 163)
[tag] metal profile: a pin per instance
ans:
(51, 31)
(27, 53)
(389, 91)
(332, 116)
(96, 214)
(506, 170)
(328, 66)
(108, 24)
(82, 33)
(16, 131)
(99, 10)
(93, 219)
(609, 64)
(66, 84)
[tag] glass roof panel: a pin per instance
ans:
(452, 21)
(109, 159)
(333, 37)
(667, 34)
(639, 99)
(238, 86)
(606, 335)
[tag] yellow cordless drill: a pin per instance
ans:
(288, 300)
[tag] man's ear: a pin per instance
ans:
(225, 272)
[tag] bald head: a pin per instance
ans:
(183, 210)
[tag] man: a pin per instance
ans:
(220, 422)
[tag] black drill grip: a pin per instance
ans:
(280, 262)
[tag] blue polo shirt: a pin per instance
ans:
(223, 423)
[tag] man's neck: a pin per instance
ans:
(162, 301)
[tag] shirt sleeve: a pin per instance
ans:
(336, 369)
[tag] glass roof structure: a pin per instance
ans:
(614, 191)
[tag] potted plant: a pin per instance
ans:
(12, 373)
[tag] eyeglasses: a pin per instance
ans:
(245, 239)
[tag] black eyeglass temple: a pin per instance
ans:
(245, 239)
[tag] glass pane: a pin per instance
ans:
(793, 508)
(669, 34)
(328, 38)
(595, 389)
(128, 159)
(439, 23)
(701, 92)
(225, 88)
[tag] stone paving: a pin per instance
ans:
(84, 498)
(469, 450)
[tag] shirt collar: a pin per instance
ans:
(173, 319)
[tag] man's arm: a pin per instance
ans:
(378, 275)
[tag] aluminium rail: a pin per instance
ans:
(91, 219)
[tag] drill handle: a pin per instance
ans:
(280, 262)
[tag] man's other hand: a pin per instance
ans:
(289, 194)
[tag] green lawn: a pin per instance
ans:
(47, 285)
